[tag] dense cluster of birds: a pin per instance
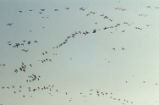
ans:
(28, 91)
(26, 69)
(23, 45)
(33, 77)
(44, 60)
(22, 68)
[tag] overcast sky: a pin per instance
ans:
(121, 62)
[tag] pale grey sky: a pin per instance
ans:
(115, 66)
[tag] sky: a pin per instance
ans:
(112, 59)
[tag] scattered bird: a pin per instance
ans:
(25, 50)
(42, 9)
(138, 28)
(30, 10)
(56, 9)
(82, 9)
(94, 31)
(122, 48)
(20, 11)
(114, 49)
(67, 8)
(9, 24)
(120, 9)
(126, 81)
(3, 65)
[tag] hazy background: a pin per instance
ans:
(85, 62)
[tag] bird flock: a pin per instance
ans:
(32, 78)
(23, 45)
